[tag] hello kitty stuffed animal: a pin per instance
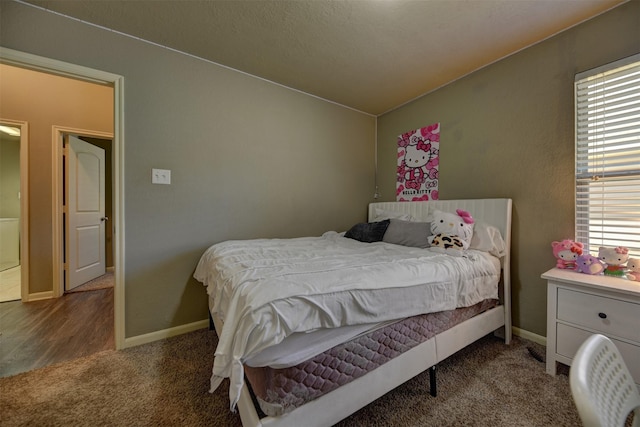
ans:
(451, 233)
(633, 265)
(614, 258)
(566, 252)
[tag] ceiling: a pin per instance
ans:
(369, 55)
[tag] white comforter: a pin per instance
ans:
(265, 290)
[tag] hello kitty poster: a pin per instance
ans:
(418, 154)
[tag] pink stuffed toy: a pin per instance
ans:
(633, 264)
(567, 251)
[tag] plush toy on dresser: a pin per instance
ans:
(633, 265)
(566, 252)
(614, 258)
(588, 264)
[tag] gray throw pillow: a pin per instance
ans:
(408, 233)
(368, 232)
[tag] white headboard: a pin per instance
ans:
(496, 212)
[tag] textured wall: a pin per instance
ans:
(248, 159)
(508, 131)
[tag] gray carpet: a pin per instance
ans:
(165, 383)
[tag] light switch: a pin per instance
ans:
(160, 176)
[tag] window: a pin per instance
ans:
(608, 156)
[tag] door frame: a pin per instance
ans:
(55, 67)
(24, 204)
(57, 183)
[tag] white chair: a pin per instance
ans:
(602, 386)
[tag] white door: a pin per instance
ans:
(85, 212)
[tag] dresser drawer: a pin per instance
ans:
(612, 317)
(569, 340)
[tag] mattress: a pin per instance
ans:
(266, 290)
(279, 391)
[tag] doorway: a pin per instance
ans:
(54, 67)
(14, 240)
(83, 209)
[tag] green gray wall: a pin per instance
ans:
(508, 131)
(248, 159)
(9, 176)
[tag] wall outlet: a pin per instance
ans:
(160, 176)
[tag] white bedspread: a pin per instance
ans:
(265, 290)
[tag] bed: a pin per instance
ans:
(258, 328)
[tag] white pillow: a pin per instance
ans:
(487, 238)
(382, 214)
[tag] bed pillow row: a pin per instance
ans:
(486, 238)
(403, 232)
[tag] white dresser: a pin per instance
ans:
(579, 305)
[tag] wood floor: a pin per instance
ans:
(40, 333)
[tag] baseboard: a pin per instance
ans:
(37, 296)
(165, 333)
(201, 324)
(529, 336)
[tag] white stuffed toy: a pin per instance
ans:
(614, 258)
(451, 233)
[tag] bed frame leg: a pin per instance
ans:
(432, 381)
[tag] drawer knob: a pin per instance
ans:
(602, 315)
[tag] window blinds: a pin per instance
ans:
(608, 156)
